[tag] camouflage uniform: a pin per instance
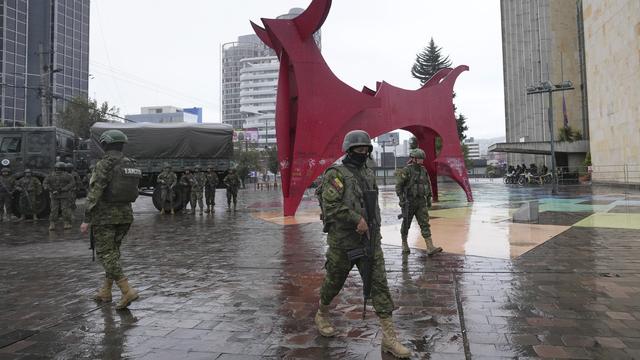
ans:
(112, 188)
(414, 190)
(7, 186)
(187, 181)
(342, 198)
(210, 189)
(109, 221)
(167, 180)
(197, 188)
(61, 187)
(232, 182)
(29, 188)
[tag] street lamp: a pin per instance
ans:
(548, 87)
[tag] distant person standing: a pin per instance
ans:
(7, 185)
(112, 189)
(210, 189)
(167, 181)
(414, 191)
(61, 186)
(187, 181)
(29, 188)
(232, 182)
(197, 188)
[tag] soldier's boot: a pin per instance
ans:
(104, 293)
(162, 211)
(173, 212)
(52, 226)
(35, 217)
(431, 250)
(201, 211)
(405, 246)
(322, 321)
(20, 218)
(67, 225)
(390, 342)
(234, 207)
(208, 210)
(129, 294)
(228, 206)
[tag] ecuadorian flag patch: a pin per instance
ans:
(336, 183)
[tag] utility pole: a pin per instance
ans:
(44, 88)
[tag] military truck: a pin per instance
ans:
(182, 145)
(38, 149)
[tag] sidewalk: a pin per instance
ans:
(245, 286)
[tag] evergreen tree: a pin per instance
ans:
(80, 113)
(428, 62)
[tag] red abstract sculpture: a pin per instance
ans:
(314, 109)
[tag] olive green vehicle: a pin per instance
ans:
(181, 145)
(38, 149)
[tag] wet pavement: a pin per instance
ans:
(245, 285)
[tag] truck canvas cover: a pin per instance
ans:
(173, 140)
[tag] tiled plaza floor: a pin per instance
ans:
(245, 285)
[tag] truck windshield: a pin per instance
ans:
(10, 145)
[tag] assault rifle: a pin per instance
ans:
(368, 250)
(92, 244)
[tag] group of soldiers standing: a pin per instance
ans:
(62, 184)
(197, 183)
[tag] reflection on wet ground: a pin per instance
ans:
(244, 285)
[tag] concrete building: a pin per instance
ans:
(249, 84)
(258, 89)
(612, 43)
(473, 148)
(541, 41)
(247, 46)
(36, 34)
(163, 114)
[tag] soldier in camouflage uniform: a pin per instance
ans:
(200, 179)
(61, 186)
(414, 190)
(210, 189)
(112, 189)
(7, 185)
(342, 197)
(167, 180)
(29, 188)
(187, 181)
(232, 182)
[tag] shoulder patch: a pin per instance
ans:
(337, 183)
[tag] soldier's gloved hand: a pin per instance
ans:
(55, 192)
(362, 226)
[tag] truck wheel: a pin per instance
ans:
(178, 201)
(20, 206)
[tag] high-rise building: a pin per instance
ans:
(541, 42)
(249, 84)
(164, 114)
(473, 148)
(44, 49)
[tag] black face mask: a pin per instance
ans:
(357, 158)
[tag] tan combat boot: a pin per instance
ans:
(104, 293)
(129, 294)
(390, 342)
(322, 321)
(35, 217)
(208, 210)
(173, 212)
(431, 250)
(162, 211)
(52, 226)
(67, 226)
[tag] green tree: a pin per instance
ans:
(272, 160)
(428, 62)
(246, 161)
(80, 113)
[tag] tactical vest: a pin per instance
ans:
(418, 182)
(353, 196)
(123, 187)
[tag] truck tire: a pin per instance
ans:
(19, 206)
(178, 199)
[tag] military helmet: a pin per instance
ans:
(197, 168)
(187, 169)
(27, 171)
(417, 153)
(113, 137)
(166, 166)
(210, 167)
(60, 165)
(5, 170)
(356, 138)
(69, 166)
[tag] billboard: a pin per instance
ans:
(248, 135)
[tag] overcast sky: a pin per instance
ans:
(167, 52)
